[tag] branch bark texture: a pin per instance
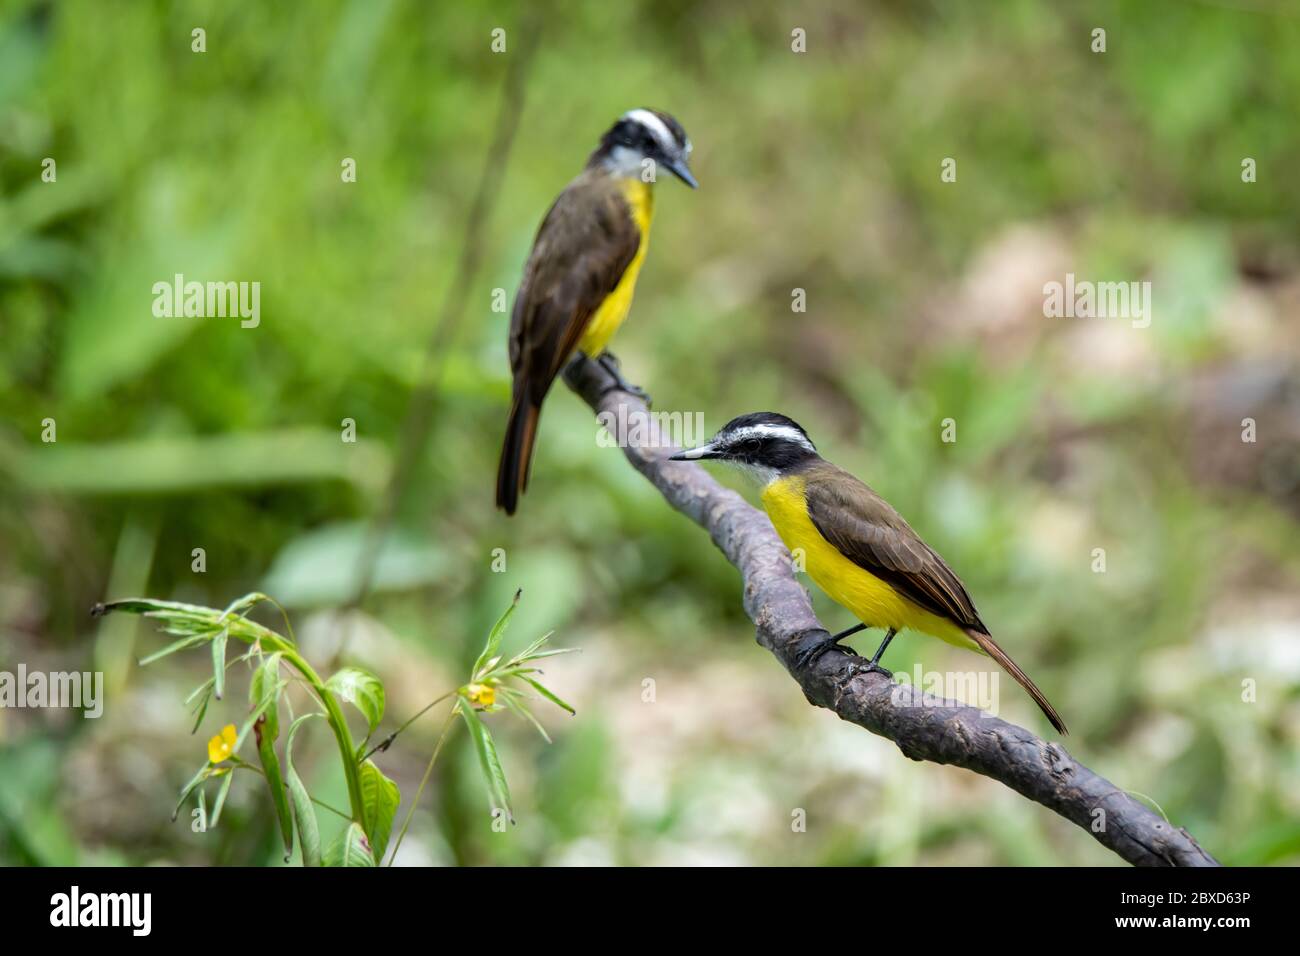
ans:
(923, 726)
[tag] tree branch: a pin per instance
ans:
(924, 727)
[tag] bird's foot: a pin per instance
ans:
(874, 663)
(609, 363)
(868, 667)
(812, 649)
(848, 632)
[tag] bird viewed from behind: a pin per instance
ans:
(857, 548)
(578, 281)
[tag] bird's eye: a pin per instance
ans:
(753, 445)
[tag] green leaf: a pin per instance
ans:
(184, 620)
(518, 707)
(531, 649)
(275, 781)
(204, 688)
(350, 849)
(243, 605)
(553, 652)
(226, 780)
(195, 780)
(191, 640)
(251, 720)
(493, 644)
(305, 816)
(240, 606)
(363, 690)
(219, 663)
(304, 813)
(170, 464)
(548, 695)
(534, 652)
(150, 606)
(201, 708)
(489, 762)
(379, 800)
(266, 680)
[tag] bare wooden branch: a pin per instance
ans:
(924, 727)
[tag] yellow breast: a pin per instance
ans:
(872, 601)
(612, 312)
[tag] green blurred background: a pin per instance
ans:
(819, 171)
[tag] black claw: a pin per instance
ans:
(814, 648)
(629, 388)
(609, 362)
(818, 643)
(869, 667)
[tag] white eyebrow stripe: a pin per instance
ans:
(772, 431)
(656, 126)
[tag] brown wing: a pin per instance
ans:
(869, 532)
(582, 249)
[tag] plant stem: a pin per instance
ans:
(251, 631)
(387, 741)
(442, 738)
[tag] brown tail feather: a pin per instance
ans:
(990, 647)
(516, 454)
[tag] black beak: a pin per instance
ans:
(677, 166)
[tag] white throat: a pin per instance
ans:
(626, 162)
(761, 475)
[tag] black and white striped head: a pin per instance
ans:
(767, 444)
(641, 135)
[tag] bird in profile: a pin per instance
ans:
(857, 548)
(578, 281)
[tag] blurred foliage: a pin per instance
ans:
(819, 171)
(496, 683)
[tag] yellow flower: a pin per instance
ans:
(222, 745)
(482, 694)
